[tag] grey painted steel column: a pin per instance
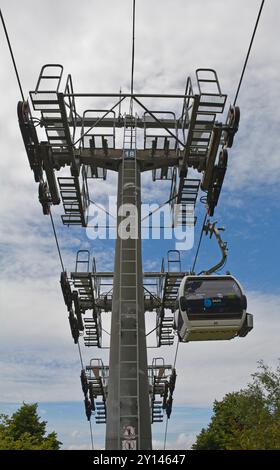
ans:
(128, 410)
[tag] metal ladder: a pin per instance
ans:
(75, 199)
(93, 330)
(189, 191)
(129, 136)
(184, 210)
(83, 284)
(101, 412)
(128, 303)
(164, 334)
(87, 294)
(47, 99)
(172, 279)
(205, 106)
(159, 377)
(158, 388)
(97, 380)
(171, 286)
(199, 133)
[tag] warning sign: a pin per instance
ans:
(129, 444)
(129, 432)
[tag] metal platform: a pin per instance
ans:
(183, 208)
(75, 199)
(161, 143)
(169, 281)
(80, 293)
(162, 380)
(94, 380)
(204, 134)
(171, 143)
(93, 291)
(58, 123)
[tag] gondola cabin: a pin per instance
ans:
(211, 308)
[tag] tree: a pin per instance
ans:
(248, 419)
(24, 431)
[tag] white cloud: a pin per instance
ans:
(79, 447)
(185, 441)
(157, 444)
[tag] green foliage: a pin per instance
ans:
(24, 431)
(248, 419)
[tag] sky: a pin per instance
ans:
(92, 39)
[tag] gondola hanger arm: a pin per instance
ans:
(210, 228)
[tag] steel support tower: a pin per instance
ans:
(128, 408)
(133, 394)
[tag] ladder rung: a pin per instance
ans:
(128, 416)
(128, 396)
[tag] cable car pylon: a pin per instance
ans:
(131, 394)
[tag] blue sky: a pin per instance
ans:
(67, 419)
(38, 360)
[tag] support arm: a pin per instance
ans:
(212, 229)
